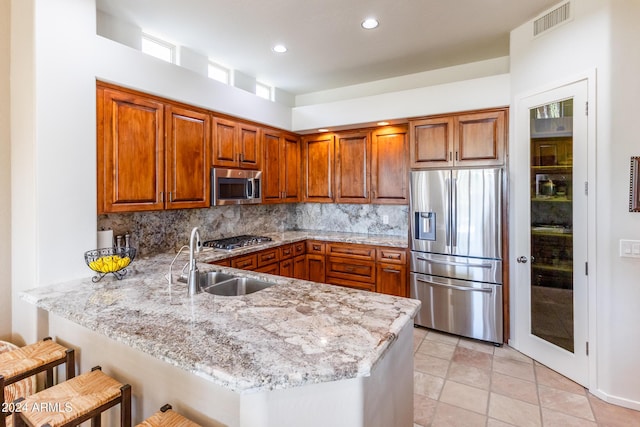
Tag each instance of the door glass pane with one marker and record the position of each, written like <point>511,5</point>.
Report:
<point>552,223</point>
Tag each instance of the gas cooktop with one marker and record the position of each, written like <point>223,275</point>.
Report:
<point>235,242</point>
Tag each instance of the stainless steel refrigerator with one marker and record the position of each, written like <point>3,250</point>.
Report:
<point>456,251</point>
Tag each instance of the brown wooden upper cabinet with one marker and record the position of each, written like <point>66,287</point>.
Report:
<point>139,169</point>
<point>353,167</point>
<point>318,168</point>
<point>235,145</point>
<point>469,139</point>
<point>363,166</point>
<point>187,152</point>
<point>281,167</point>
<point>390,166</point>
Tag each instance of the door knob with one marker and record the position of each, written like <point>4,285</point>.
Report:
<point>522,259</point>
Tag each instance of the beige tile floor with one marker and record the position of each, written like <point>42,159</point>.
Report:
<point>467,383</point>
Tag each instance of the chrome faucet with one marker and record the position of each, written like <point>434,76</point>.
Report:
<point>193,282</point>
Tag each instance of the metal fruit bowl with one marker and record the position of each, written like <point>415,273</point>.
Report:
<point>109,260</point>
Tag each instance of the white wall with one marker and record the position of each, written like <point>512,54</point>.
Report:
<point>129,67</point>
<point>23,212</point>
<point>483,92</point>
<point>5,173</point>
<point>470,71</point>
<point>619,278</point>
<point>601,37</point>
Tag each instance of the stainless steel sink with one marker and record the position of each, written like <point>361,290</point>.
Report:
<point>235,286</point>
<point>211,278</point>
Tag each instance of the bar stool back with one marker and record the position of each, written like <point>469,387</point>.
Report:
<point>72,402</point>
<point>20,364</point>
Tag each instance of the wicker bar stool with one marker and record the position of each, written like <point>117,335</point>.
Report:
<point>166,416</point>
<point>75,401</point>
<point>22,363</point>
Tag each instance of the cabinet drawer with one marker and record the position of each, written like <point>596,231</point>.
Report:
<point>247,262</point>
<point>351,269</point>
<point>315,247</point>
<point>391,255</point>
<point>270,269</point>
<point>267,257</point>
<point>299,248</point>
<point>286,251</point>
<point>352,251</point>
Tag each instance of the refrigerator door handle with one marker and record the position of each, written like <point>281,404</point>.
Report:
<point>457,288</point>
<point>447,224</point>
<point>456,264</point>
<point>454,212</point>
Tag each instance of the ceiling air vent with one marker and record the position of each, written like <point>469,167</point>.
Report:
<point>552,19</point>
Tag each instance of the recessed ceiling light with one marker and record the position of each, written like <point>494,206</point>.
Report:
<point>370,23</point>
<point>383,123</point>
<point>280,48</point>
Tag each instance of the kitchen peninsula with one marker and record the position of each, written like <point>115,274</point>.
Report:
<point>296,353</point>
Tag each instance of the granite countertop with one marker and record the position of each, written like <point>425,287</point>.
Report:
<point>291,334</point>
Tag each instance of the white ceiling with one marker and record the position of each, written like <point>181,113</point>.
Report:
<point>327,46</point>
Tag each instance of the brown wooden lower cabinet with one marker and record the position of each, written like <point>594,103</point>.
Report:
<point>286,268</point>
<point>391,279</point>
<point>300,267</point>
<point>376,269</point>
<point>315,268</point>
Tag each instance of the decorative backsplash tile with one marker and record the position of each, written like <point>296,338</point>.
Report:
<point>161,231</point>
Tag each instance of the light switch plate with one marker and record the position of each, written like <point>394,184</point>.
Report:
<point>630,248</point>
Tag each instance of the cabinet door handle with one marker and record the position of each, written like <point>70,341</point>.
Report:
<point>316,247</point>
<point>390,270</point>
<point>391,256</point>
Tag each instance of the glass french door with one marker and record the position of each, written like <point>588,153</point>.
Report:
<point>551,216</point>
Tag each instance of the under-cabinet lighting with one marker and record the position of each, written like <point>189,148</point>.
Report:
<point>323,130</point>
<point>383,123</point>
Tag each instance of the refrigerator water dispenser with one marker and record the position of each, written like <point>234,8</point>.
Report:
<point>425,225</point>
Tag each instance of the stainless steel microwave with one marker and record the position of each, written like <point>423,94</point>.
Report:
<point>235,186</point>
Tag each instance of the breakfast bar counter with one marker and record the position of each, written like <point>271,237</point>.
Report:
<point>286,339</point>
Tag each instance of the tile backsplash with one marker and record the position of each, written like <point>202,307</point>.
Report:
<point>161,231</point>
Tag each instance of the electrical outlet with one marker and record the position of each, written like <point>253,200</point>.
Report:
<point>385,219</point>
<point>630,248</point>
